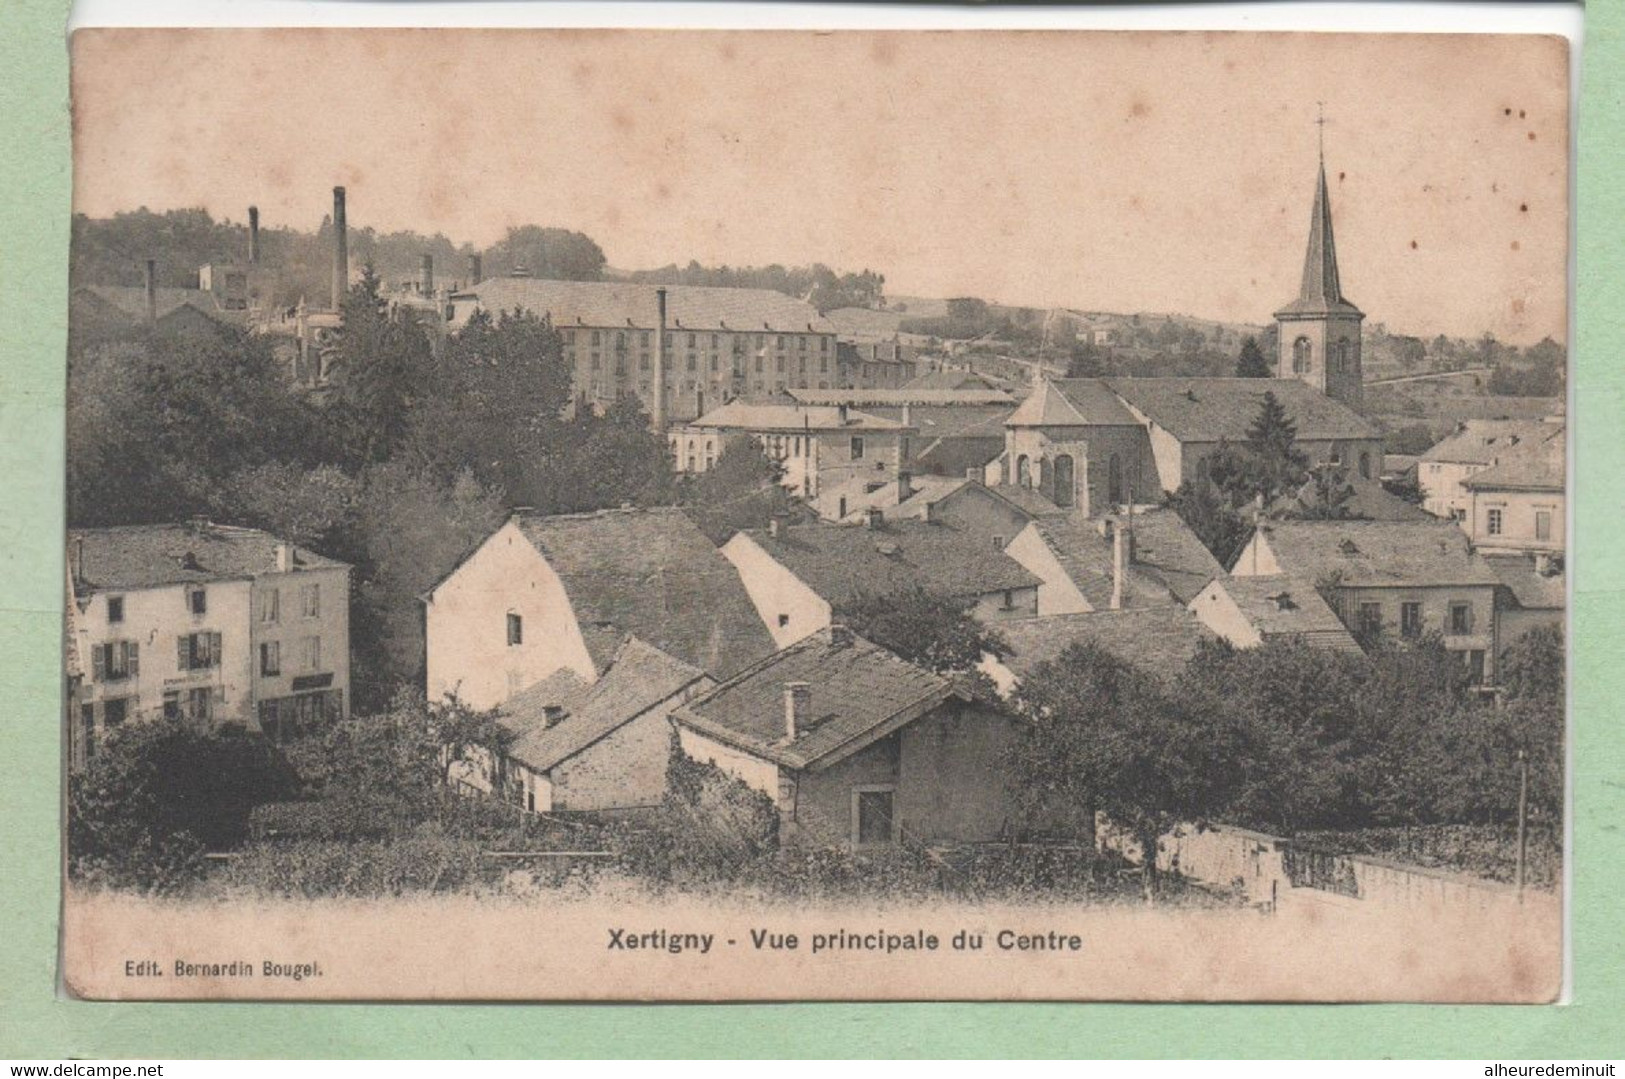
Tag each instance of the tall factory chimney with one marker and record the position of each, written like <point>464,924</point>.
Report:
<point>151,282</point>
<point>253,235</point>
<point>475,266</point>
<point>341,251</point>
<point>658,406</point>
<point>426,275</point>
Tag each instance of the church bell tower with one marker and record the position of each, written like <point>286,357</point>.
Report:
<point>1320,330</point>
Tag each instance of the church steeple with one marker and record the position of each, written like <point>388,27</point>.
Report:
<point>1320,330</point>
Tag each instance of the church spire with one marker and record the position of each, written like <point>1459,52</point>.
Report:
<point>1320,284</point>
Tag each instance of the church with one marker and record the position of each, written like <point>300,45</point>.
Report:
<point>1097,443</point>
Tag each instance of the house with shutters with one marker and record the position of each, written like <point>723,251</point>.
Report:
<point>1389,578</point>
<point>544,594</point>
<point>208,622</point>
<point>1516,506</point>
<point>1473,447</point>
<point>857,748</point>
<point>1251,611</point>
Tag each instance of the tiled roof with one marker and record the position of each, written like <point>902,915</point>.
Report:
<point>639,677</point>
<point>1533,590</point>
<point>1369,501</point>
<point>1377,553</point>
<point>1284,606</point>
<point>1210,409</point>
<point>1026,499</point>
<point>938,400</point>
<point>956,380</point>
<point>864,322</point>
<point>1071,402</point>
<point>651,574</point>
<point>616,304</point>
<point>151,556</point>
<point>1540,467</point>
<point>843,562</point>
<point>1170,564</point>
<point>746,415</point>
<point>859,498</point>
<point>131,301</point>
<point>1479,442</point>
<point>858,691</point>
<point>1160,640</point>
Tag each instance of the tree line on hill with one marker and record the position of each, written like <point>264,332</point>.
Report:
<point>817,284</point>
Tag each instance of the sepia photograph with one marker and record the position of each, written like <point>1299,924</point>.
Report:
<point>790,515</point>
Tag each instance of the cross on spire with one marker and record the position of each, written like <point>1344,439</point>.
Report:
<point>1320,122</point>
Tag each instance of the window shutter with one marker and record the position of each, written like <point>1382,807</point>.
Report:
<point>133,657</point>
<point>98,663</point>
<point>214,649</point>
<point>183,655</point>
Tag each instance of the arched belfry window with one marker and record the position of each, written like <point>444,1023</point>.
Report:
<point>1024,471</point>
<point>1064,479</point>
<point>1302,356</point>
<point>1365,466</point>
<point>1340,356</point>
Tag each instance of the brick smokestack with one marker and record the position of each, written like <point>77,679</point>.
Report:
<point>475,267</point>
<point>341,250</point>
<point>426,275</point>
<point>150,280</point>
<point>658,406</point>
<point>253,235</point>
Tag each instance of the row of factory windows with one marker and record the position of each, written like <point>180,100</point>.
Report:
<point>595,362</point>
<point>620,339</point>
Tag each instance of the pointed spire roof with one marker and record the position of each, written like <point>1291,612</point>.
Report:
<point>1321,292</point>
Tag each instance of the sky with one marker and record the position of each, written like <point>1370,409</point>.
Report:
<point>1105,171</point>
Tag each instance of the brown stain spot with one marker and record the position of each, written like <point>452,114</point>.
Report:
<point>884,49</point>
<point>1531,136</point>
<point>1341,176</point>
<point>1138,108</point>
<point>1523,207</point>
<point>1521,114</point>
<point>1517,307</point>
<point>1516,246</point>
<point>1507,112</point>
<point>662,191</point>
<point>1413,245</point>
<point>623,120</point>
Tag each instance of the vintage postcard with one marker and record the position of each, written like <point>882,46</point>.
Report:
<point>744,515</point>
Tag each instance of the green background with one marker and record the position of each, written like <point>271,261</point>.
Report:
<point>36,1022</point>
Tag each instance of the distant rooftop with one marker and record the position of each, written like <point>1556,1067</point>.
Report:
<point>1479,442</point>
<point>749,415</point>
<point>1160,640</point>
<point>153,556</point>
<point>622,304</point>
<point>1377,553</point>
<point>1284,606</point>
<point>1210,409</point>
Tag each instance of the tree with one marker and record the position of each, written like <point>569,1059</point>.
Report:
<point>1278,465</point>
<point>1222,528</point>
<point>383,370</point>
<point>600,461</point>
<point>930,629</point>
<point>1252,363</point>
<point>554,253</point>
<point>1087,361</point>
<point>158,794</point>
<point>740,490</point>
<point>1101,734</point>
<point>1329,495</point>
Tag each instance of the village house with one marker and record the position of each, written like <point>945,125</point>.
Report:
<point>1357,498</point>
<point>581,746</point>
<point>1473,447</point>
<point>709,345</point>
<point>817,446</point>
<point>1250,611</point>
<point>1516,505</point>
<point>857,748</point>
<point>550,593</point>
<point>953,430</point>
<point>800,577</point>
<point>1533,594</point>
<point>1389,577</point>
<point>1160,640</point>
<point>1149,558</point>
<point>99,313</point>
<point>996,514</point>
<point>212,623</point>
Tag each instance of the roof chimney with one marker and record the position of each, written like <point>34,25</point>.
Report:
<point>906,422</point>
<point>426,275</point>
<point>973,474</point>
<point>341,250</point>
<point>797,700</point>
<point>775,524</point>
<point>284,558</point>
<point>150,280</point>
<point>840,635</point>
<point>476,267</point>
<point>551,715</point>
<point>657,408</point>
<point>253,235</point>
